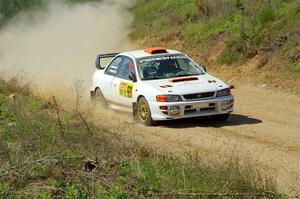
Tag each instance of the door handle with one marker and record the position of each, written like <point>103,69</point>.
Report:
<point>114,85</point>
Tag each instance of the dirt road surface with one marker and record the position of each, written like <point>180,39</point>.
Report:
<point>264,130</point>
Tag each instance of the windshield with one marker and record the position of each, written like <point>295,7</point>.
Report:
<point>167,66</point>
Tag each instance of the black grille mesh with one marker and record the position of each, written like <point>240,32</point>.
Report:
<point>199,95</point>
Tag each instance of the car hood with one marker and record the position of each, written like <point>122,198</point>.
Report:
<point>187,85</point>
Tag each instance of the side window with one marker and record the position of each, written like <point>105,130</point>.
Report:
<point>125,68</point>
<point>112,69</point>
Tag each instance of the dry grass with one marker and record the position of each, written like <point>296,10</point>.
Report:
<point>48,152</point>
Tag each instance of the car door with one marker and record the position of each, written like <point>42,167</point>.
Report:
<point>122,85</point>
<point>109,74</point>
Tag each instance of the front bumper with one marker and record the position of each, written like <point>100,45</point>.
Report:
<point>186,109</point>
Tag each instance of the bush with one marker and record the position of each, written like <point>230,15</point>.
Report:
<point>296,68</point>
<point>53,152</point>
<point>227,58</point>
<point>201,32</point>
<point>266,15</point>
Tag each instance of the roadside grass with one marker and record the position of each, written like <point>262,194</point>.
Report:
<point>48,152</point>
<point>266,15</point>
<point>296,68</point>
<point>227,58</point>
<point>247,27</point>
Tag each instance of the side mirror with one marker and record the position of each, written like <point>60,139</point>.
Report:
<point>203,67</point>
<point>98,63</point>
<point>132,77</point>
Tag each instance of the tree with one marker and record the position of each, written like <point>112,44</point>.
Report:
<point>10,8</point>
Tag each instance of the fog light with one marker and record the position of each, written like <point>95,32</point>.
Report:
<point>163,108</point>
<point>174,110</point>
<point>227,104</point>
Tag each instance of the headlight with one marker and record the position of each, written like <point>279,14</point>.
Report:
<point>168,98</point>
<point>224,92</point>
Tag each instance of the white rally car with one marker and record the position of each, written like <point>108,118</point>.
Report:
<point>160,84</point>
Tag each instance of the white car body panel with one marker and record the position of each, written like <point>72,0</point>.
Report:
<point>123,101</point>
<point>104,82</point>
<point>111,88</point>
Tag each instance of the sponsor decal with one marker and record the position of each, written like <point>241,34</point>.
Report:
<point>161,58</point>
<point>126,89</point>
<point>112,69</point>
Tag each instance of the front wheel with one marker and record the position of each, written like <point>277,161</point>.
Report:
<point>143,112</point>
<point>221,118</point>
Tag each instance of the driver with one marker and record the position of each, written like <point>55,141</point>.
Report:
<point>167,67</point>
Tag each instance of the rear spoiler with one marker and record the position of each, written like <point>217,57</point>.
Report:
<point>103,56</point>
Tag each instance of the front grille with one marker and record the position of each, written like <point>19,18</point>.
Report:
<point>199,95</point>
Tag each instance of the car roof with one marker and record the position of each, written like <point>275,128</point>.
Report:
<point>141,53</point>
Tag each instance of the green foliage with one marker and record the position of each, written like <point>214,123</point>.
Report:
<point>71,192</point>
<point>11,8</point>
<point>102,193</point>
<point>227,58</point>
<point>238,3</point>
<point>117,192</point>
<point>171,174</point>
<point>46,195</point>
<point>35,104</point>
<point>202,32</point>
<point>266,15</point>
<point>5,113</point>
<point>296,68</point>
<point>4,188</point>
<point>246,26</point>
<point>162,16</point>
<point>8,135</point>
<point>55,158</point>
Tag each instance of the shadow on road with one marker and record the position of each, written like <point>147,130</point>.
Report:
<point>235,120</point>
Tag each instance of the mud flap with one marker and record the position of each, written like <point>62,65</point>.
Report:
<point>92,96</point>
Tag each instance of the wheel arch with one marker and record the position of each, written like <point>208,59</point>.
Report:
<point>149,121</point>
<point>134,105</point>
<point>96,88</point>
<point>93,93</point>
<point>139,97</point>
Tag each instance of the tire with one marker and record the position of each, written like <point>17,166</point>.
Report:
<point>221,118</point>
<point>143,112</point>
<point>99,99</point>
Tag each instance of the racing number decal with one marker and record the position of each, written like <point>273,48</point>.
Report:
<point>126,89</point>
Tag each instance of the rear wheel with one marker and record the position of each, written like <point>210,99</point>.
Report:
<point>221,118</point>
<point>99,99</point>
<point>143,112</point>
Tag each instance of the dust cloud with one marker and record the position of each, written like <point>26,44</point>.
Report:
<point>57,45</point>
